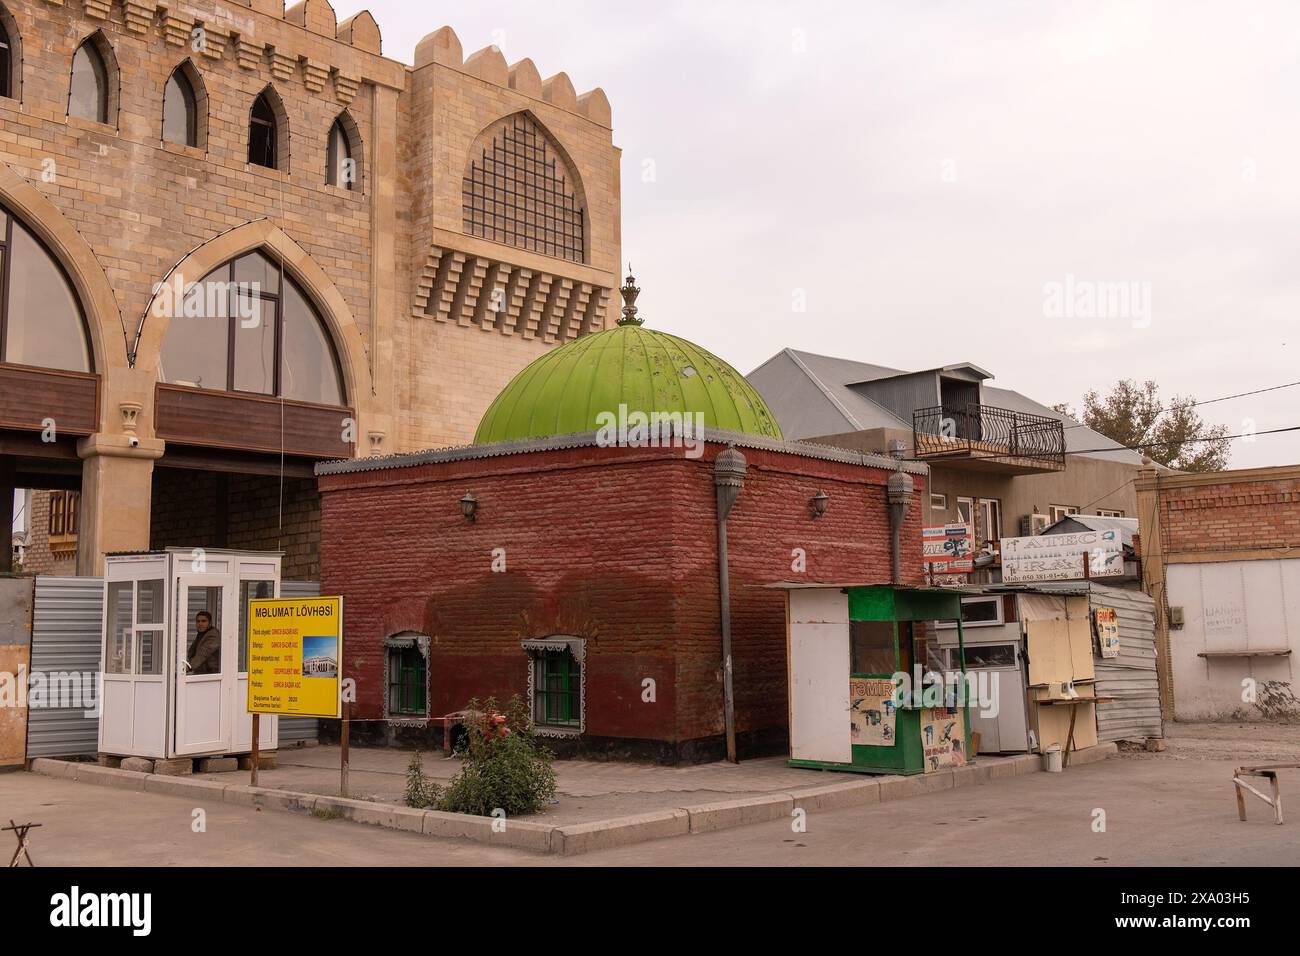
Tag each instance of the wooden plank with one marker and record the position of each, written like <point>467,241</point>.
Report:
<point>237,422</point>
<point>31,396</point>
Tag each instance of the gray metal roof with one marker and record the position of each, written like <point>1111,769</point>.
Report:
<point>589,440</point>
<point>1070,524</point>
<point>812,396</point>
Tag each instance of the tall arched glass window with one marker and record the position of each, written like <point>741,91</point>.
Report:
<point>180,110</point>
<point>89,97</point>
<point>263,134</point>
<point>249,327</point>
<point>340,166</point>
<point>6,60</point>
<point>41,322</point>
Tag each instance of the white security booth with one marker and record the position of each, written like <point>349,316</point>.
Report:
<point>152,705</point>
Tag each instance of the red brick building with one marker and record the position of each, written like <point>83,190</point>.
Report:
<point>612,550</point>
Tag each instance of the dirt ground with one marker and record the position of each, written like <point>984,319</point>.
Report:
<point>1244,743</point>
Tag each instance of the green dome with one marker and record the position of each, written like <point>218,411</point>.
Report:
<point>564,391</point>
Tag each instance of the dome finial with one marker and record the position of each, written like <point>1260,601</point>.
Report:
<point>630,293</point>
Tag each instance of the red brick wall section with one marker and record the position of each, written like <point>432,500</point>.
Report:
<point>1232,516</point>
<point>612,545</point>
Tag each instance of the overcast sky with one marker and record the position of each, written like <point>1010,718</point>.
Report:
<point>930,181</point>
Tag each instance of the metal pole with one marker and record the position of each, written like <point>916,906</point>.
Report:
<point>724,591</point>
<point>343,755</point>
<point>257,755</point>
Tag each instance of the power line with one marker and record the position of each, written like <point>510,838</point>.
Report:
<point>1211,401</point>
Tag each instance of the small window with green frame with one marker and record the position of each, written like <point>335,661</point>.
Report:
<point>407,681</point>
<point>557,688</point>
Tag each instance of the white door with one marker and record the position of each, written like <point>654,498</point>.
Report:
<point>257,580</point>
<point>205,691</point>
<point>820,725</point>
<point>133,699</point>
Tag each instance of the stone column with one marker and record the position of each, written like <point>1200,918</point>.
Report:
<point>116,496</point>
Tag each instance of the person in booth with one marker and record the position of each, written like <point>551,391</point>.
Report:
<point>204,655</point>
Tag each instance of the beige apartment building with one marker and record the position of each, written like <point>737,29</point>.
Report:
<point>238,240</point>
<point>1000,462</point>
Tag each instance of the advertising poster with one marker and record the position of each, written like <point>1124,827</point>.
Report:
<point>295,656</point>
<point>949,549</point>
<point>871,712</point>
<point>943,738</point>
<point>1107,631</point>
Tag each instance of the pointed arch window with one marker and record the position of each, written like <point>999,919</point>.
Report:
<point>180,109</point>
<point>521,191</point>
<point>89,97</point>
<point>264,133</point>
<point>249,327</point>
<point>8,57</point>
<point>341,166</point>
<point>41,320</point>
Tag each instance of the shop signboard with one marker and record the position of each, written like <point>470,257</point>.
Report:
<point>949,549</point>
<point>1061,557</point>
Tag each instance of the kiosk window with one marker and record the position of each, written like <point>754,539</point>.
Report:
<point>119,655</point>
<point>871,645</point>
<point>150,610</point>
<point>250,591</point>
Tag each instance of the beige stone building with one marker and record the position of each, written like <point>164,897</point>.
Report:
<point>238,240</point>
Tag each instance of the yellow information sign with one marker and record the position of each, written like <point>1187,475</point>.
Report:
<point>295,656</point>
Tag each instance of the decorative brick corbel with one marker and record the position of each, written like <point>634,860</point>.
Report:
<point>177,29</point>
<point>345,87</point>
<point>314,73</point>
<point>282,65</point>
<point>214,42</point>
<point>99,9</point>
<point>248,54</point>
<point>139,15</point>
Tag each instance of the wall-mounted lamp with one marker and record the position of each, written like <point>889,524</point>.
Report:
<point>469,507</point>
<point>818,504</point>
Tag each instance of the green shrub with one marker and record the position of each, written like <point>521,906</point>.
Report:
<point>421,792</point>
<point>509,772</point>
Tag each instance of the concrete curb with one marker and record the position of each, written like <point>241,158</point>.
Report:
<point>574,838</point>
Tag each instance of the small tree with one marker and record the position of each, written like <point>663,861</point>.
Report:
<point>1172,434</point>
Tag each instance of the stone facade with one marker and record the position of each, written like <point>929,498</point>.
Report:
<point>428,321</point>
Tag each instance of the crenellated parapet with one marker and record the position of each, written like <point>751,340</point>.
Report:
<point>444,48</point>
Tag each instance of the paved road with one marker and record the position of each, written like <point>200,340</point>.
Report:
<point>1159,812</point>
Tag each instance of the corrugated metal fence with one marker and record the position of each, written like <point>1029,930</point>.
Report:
<point>66,620</point>
<point>1131,677</point>
<point>294,730</point>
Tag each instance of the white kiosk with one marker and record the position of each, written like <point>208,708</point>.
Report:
<point>151,705</point>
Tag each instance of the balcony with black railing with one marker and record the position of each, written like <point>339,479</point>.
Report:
<point>993,439</point>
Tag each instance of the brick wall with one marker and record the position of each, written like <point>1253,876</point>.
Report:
<point>616,546</point>
<point>1232,515</point>
<point>203,509</point>
<point>41,557</point>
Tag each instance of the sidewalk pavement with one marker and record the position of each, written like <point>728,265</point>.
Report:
<point>599,805</point>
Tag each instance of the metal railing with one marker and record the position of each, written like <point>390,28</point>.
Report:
<point>984,431</point>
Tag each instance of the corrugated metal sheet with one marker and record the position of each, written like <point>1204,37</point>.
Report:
<point>66,624</point>
<point>294,730</point>
<point>1131,677</point>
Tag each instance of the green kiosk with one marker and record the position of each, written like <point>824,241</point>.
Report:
<point>848,711</point>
